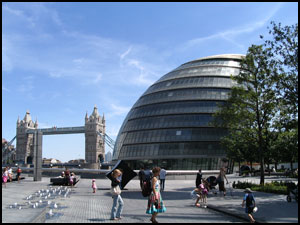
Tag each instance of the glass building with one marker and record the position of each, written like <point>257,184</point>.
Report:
<point>169,125</point>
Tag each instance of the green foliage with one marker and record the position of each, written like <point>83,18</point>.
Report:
<point>261,114</point>
<point>274,187</point>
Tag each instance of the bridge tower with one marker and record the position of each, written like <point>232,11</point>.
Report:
<point>25,145</point>
<point>94,144</point>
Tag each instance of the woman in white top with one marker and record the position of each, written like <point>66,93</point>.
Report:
<point>155,203</point>
<point>5,176</point>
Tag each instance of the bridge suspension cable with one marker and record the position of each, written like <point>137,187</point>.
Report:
<point>6,155</point>
<point>109,141</point>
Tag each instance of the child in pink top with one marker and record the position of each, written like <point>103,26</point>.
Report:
<point>204,191</point>
<point>94,186</point>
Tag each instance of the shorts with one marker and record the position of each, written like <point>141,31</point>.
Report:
<point>221,186</point>
<point>249,210</point>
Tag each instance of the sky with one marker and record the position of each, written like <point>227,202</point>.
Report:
<point>59,60</point>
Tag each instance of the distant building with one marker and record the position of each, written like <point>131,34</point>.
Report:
<point>108,156</point>
<point>51,161</point>
<point>77,161</point>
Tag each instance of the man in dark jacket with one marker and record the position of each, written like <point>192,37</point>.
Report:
<point>199,178</point>
<point>142,177</point>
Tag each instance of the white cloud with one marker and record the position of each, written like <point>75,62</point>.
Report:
<point>5,89</point>
<point>7,63</point>
<point>122,56</point>
<point>118,110</point>
<point>231,34</point>
<point>84,58</point>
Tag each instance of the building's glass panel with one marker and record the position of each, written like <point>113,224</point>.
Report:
<point>201,120</point>
<point>183,94</point>
<point>164,135</point>
<point>191,82</point>
<point>175,108</point>
<point>209,62</point>
<point>201,71</point>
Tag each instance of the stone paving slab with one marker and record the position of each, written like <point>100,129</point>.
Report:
<point>82,206</point>
<point>16,193</point>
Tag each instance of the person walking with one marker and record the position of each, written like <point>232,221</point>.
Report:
<point>94,186</point>
<point>220,180</point>
<point>198,178</point>
<point>142,177</point>
<point>116,195</point>
<point>10,174</point>
<point>19,171</point>
<point>5,176</point>
<point>155,203</point>
<point>162,177</point>
<point>250,203</point>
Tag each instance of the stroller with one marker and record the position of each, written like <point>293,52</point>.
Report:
<point>212,182</point>
<point>292,190</point>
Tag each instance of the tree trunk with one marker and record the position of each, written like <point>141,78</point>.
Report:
<point>269,170</point>
<point>239,168</point>
<point>276,166</point>
<point>262,171</point>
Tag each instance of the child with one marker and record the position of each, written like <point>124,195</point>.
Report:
<point>196,193</point>
<point>250,204</point>
<point>94,186</point>
<point>204,192</point>
<point>72,179</point>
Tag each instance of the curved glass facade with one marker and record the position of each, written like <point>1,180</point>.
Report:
<point>169,125</point>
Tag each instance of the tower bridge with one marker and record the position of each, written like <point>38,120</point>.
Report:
<point>29,140</point>
<point>60,130</point>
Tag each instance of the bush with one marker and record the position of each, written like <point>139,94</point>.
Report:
<point>273,187</point>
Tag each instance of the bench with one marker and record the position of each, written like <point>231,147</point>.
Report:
<point>63,181</point>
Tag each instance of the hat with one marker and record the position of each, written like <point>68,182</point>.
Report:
<point>248,190</point>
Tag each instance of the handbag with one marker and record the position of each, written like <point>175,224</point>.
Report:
<point>115,190</point>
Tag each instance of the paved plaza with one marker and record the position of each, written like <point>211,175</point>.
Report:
<point>82,206</point>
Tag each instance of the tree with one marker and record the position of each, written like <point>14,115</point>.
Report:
<point>251,105</point>
<point>264,104</point>
<point>284,51</point>
<point>284,48</point>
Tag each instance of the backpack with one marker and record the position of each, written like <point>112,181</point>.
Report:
<point>146,188</point>
<point>249,200</point>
